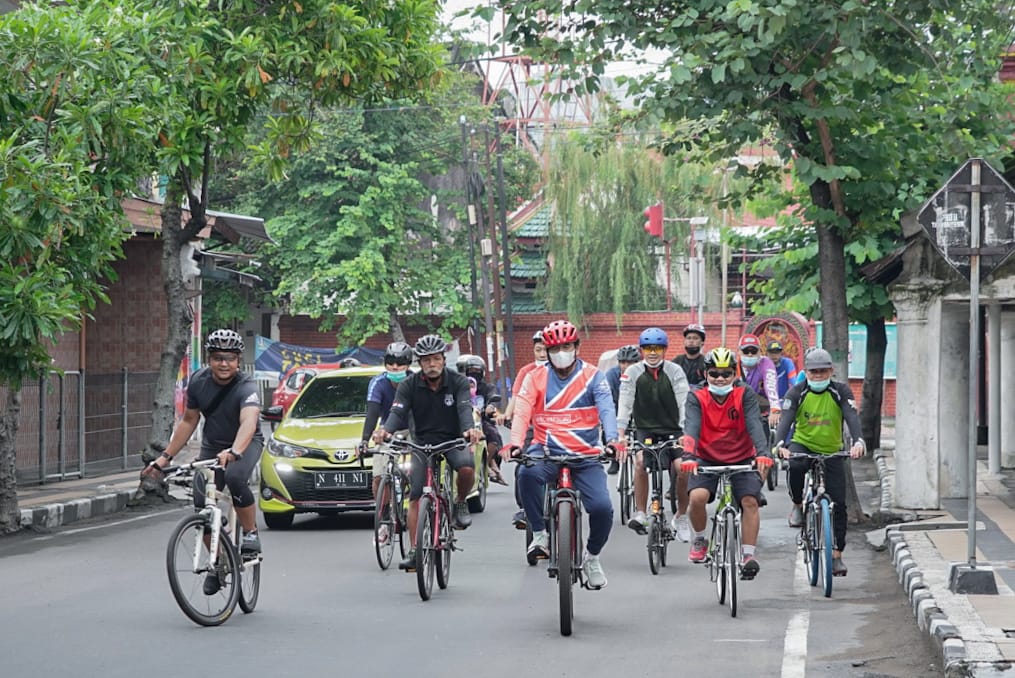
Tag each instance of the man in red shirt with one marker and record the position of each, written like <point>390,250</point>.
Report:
<point>723,427</point>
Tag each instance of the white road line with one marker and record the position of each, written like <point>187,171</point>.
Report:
<point>741,640</point>
<point>66,533</point>
<point>794,651</point>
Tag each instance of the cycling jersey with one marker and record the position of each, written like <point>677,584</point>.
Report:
<point>380,395</point>
<point>221,425</point>
<point>729,432</point>
<point>694,368</point>
<point>657,394</point>
<point>762,380</point>
<point>817,417</point>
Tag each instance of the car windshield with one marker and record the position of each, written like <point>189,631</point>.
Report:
<point>342,397</point>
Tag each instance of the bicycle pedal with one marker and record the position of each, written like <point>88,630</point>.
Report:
<point>551,572</point>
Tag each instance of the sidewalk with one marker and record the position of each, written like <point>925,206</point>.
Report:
<point>976,633</point>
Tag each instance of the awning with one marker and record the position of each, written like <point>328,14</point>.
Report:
<point>145,216</point>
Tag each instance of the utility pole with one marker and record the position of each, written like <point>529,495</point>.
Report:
<point>505,258</point>
<point>486,253</point>
<point>498,328</point>
<point>470,219</point>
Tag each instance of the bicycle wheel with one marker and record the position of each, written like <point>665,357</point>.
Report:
<point>812,548</point>
<point>446,544</point>
<point>732,558</point>
<point>187,581</point>
<point>655,539</point>
<point>826,544</point>
<point>250,577</point>
<point>717,562</point>
<point>665,537</point>
<point>565,564</point>
<point>624,489</point>
<point>384,524</point>
<point>673,491</point>
<point>425,553</point>
<point>399,497</point>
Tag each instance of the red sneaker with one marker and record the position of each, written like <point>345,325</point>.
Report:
<point>699,550</point>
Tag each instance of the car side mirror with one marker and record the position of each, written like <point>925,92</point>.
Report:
<point>273,413</point>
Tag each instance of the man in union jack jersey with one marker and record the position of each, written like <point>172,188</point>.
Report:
<point>566,402</point>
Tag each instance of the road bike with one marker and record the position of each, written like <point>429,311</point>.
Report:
<point>724,545</point>
<point>390,512</point>
<point>562,513</point>
<point>625,488</point>
<point>773,472</point>
<point>435,538</point>
<point>207,544</point>
<point>659,532</point>
<point>816,538</point>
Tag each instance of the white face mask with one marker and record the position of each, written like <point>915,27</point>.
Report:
<point>720,390</point>
<point>654,361</point>
<point>562,359</point>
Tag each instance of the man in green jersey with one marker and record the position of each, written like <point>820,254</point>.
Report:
<point>816,410</point>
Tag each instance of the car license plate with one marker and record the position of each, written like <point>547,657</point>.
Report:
<point>324,480</point>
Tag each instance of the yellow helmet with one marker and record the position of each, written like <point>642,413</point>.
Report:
<point>721,358</point>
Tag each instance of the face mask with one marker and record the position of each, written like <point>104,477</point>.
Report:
<point>750,361</point>
<point>720,390</point>
<point>654,361</point>
<point>818,386</point>
<point>562,359</point>
<point>692,350</point>
<point>396,377</point>
<point>542,362</point>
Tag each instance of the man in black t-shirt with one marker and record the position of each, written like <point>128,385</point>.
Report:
<point>693,360</point>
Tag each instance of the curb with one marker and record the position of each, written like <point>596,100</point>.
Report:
<point>49,516</point>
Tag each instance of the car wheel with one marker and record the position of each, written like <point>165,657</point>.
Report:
<point>279,521</point>
<point>477,502</point>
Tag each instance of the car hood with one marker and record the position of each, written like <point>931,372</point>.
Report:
<point>326,433</point>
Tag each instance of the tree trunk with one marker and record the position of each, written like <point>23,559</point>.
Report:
<point>397,334</point>
<point>873,383</point>
<point>10,515</point>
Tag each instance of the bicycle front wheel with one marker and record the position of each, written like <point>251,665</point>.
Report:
<point>445,544</point>
<point>732,558</point>
<point>812,542</point>
<point>655,544</point>
<point>624,489</point>
<point>250,582</point>
<point>425,552</point>
<point>565,565</point>
<point>384,524</point>
<point>717,559</point>
<point>189,566</point>
<point>826,545</point>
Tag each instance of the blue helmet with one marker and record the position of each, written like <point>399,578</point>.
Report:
<point>653,336</point>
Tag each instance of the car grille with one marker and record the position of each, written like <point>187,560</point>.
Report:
<point>301,488</point>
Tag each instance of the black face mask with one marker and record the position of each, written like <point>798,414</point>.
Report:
<point>692,350</point>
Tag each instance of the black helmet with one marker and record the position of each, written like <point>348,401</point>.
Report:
<point>628,354</point>
<point>429,344</point>
<point>398,353</point>
<point>475,367</point>
<point>349,362</point>
<point>696,328</point>
<point>462,360</point>
<point>224,340</point>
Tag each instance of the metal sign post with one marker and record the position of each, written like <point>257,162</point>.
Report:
<point>974,345</point>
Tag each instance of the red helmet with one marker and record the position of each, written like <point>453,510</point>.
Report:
<point>749,340</point>
<point>559,332</point>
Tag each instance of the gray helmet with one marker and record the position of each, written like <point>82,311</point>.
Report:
<point>817,359</point>
<point>398,353</point>
<point>475,367</point>
<point>224,340</point>
<point>462,361</point>
<point>429,344</point>
<point>628,354</point>
<point>349,362</point>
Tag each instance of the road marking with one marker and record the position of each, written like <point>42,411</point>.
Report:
<point>66,533</point>
<point>740,640</point>
<point>794,652</point>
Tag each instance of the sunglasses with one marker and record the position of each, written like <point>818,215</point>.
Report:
<point>750,350</point>
<point>723,374</point>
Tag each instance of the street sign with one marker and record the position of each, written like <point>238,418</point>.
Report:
<point>948,220</point>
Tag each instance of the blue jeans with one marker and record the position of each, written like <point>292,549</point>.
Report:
<point>589,479</point>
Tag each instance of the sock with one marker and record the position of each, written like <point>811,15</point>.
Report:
<point>748,550</point>
<point>697,535</point>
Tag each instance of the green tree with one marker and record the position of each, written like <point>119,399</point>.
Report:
<point>75,135</point>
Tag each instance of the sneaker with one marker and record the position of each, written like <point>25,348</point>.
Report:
<point>796,516</point>
<point>749,568</point>
<point>595,578</point>
<point>639,523</point>
<point>539,548</point>
<point>212,584</point>
<point>762,499</point>
<point>699,550</point>
<point>409,562</point>
<point>462,517</point>
<point>614,467</point>
<point>839,568</point>
<point>681,526</point>
<point>519,520</point>
<point>251,543</point>
<point>381,537</point>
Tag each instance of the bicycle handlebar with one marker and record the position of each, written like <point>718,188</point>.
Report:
<point>428,450</point>
<point>733,468</point>
<point>565,459</point>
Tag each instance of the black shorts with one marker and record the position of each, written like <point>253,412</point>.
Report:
<point>745,484</point>
<point>666,457</point>
<point>459,458</point>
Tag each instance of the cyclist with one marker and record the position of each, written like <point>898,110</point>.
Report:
<point>653,394</point>
<point>626,356</point>
<point>486,396</point>
<point>539,359</point>
<point>380,395</point>
<point>693,361</point>
<point>816,409</point>
<point>566,402</point>
<point>785,369</point>
<point>759,373</point>
<point>438,401</point>
<point>723,427</point>
<point>231,407</point>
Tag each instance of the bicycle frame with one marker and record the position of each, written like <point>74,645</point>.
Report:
<point>816,538</point>
<point>724,550</point>
<point>659,532</point>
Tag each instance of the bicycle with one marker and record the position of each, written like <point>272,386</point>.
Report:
<point>816,533</point>
<point>724,546</point>
<point>390,512</point>
<point>562,512</point>
<point>435,538</point>
<point>625,488</point>
<point>773,473</point>
<point>659,532</point>
<point>197,549</point>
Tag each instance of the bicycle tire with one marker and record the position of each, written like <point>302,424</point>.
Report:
<point>673,491</point>
<point>565,565</point>
<point>425,564</point>
<point>732,557</point>
<point>250,578</point>
<point>383,517</point>
<point>664,543</point>
<point>812,552</point>
<point>772,479</point>
<point>654,547</point>
<point>716,562</point>
<point>214,609</point>
<point>826,545</point>
<point>399,509</point>
<point>624,489</point>
<point>442,556</point>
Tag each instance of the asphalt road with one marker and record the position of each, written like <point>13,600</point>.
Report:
<point>93,600</point>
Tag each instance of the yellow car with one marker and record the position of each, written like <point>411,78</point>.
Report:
<point>310,463</point>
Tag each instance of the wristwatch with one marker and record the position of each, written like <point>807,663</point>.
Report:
<point>166,456</point>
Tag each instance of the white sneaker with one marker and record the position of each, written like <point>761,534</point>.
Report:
<point>595,578</point>
<point>639,522</point>
<point>539,547</point>
<point>681,527</point>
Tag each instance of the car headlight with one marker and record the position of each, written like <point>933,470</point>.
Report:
<point>278,448</point>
